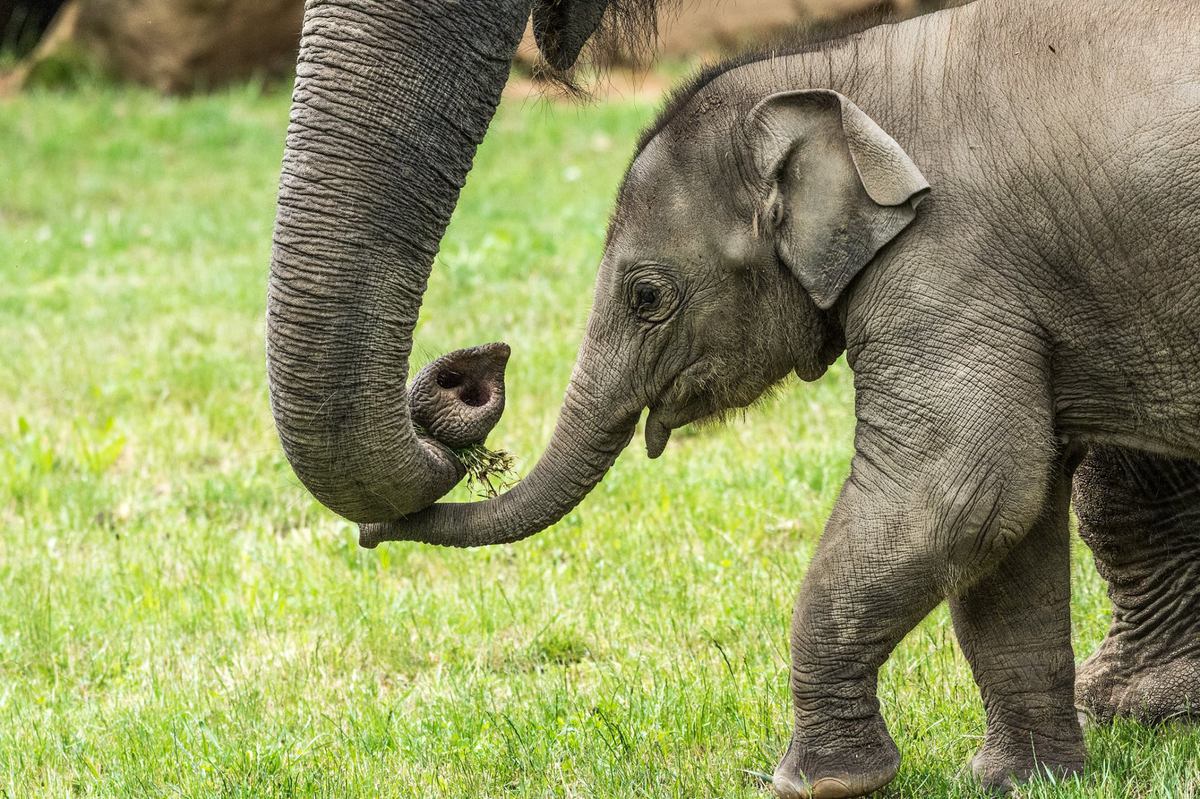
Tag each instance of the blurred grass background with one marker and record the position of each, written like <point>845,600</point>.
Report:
<point>178,617</point>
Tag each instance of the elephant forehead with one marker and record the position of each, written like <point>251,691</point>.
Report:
<point>653,176</point>
<point>671,207</point>
<point>664,189</point>
<point>689,248</point>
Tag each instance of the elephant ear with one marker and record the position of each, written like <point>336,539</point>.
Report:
<point>562,27</point>
<point>836,187</point>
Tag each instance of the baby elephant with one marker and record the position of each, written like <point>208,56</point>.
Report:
<point>995,214</point>
<point>1015,277</point>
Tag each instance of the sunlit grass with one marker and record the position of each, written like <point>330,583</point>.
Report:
<point>178,617</point>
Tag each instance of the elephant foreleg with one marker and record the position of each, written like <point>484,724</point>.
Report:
<point>884,562</point>
<point>1140,514</point>
<point>953,470</point>
<point>1014,626</point>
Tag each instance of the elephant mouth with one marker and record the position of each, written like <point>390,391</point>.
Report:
<point>658,433</point>
<point>680,405</point>
<point>662,421</point>
<point>702,392</point>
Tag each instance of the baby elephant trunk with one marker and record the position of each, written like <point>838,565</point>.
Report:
<point>457,399</point>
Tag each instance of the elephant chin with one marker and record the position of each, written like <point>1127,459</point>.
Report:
<point>676,409</point>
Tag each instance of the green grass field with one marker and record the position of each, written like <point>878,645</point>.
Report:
<point>179,618</point>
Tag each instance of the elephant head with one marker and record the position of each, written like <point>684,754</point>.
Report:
<point>741,223</point>
<point>390,101</point>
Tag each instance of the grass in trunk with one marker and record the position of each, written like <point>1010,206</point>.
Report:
<point>489,471</point>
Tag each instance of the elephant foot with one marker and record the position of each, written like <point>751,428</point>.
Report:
<point>1111,686</point>
<point>862,764</point>
<point>1013,757</point>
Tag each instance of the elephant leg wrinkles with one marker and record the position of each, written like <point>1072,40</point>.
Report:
<point>1014,626</point>
<point>875,575</point>
<point>895,546</point>
<point>936,501</point>
<point>1140,515</point>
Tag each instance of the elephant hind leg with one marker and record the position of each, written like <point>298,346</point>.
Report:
<point>1140,515</point>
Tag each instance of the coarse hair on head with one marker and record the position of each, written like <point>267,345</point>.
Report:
<point>804,38</point>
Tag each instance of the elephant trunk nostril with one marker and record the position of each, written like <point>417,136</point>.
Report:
<point>458,398</point>
<point>449,379</point>
<point>475,394</point>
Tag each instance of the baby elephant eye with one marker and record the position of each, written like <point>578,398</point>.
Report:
<point>648,298</point>
<point>652,301</point>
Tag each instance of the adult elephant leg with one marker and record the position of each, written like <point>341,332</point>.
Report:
<point>1014,626</point>
<point>1140,514</point>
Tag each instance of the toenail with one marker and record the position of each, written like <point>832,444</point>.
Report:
<point>830,788</point>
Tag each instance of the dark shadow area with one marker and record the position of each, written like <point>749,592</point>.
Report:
<point>22,23</point>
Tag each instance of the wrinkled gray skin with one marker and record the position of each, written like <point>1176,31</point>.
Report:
<point>391,100</point>
<point>1030,323</point>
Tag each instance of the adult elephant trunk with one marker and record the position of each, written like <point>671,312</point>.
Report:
<point>390,102</point>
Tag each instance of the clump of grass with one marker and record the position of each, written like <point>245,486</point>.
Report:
<point>489,471</point>
<point>560,647</point>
